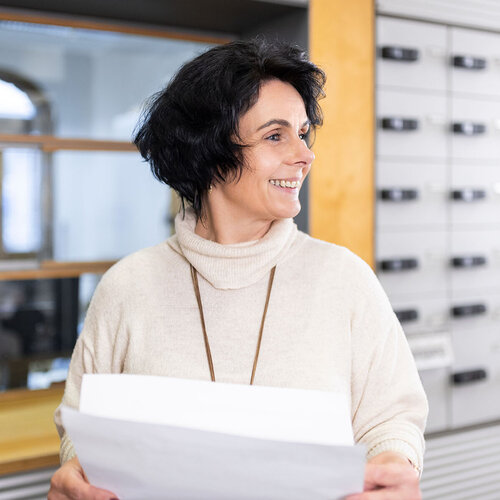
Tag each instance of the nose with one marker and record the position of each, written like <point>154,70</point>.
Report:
<point>301,154</point>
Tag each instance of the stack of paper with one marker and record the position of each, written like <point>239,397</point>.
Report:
<point>149,438</point>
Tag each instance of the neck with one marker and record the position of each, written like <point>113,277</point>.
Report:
<point>227,229</point>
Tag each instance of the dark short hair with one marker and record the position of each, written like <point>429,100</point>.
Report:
<point>188,131</point>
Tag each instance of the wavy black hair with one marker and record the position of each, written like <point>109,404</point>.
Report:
<point>188,131</point>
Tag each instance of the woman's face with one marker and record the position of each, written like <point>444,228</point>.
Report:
<point>277,158</point>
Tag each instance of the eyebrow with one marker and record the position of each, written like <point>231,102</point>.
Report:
<point>283,123</point>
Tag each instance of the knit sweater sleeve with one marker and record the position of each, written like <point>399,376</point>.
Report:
<point>96,351</point>
<point>389,406</point>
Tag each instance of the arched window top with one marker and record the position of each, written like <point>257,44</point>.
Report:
<point>14,103</point>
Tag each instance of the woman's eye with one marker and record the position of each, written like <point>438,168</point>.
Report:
<point>274,137</point>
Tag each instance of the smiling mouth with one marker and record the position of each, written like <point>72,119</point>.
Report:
<point>285,184</point>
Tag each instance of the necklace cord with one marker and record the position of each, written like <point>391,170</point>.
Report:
<point>257,352</point>
<point>194,276</point>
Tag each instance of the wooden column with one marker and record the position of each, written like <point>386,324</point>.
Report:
<point>341,42</point>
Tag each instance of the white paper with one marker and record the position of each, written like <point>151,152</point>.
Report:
<point>156,459</point>
<point>253,411</point>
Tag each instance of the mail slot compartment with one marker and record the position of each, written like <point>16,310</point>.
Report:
<point>475,195</point>
<point>412,262</point>
<point>411,125</point>
<point>475,62</point>
<point>475,129</point>
<point>474,310</point>
<point>437,389</point>
<point>408,52</point>
<point>422,313</point>
<point>411,194</point>
<point>475,377</point>
<point>475,259</point>
<point>433,354</point>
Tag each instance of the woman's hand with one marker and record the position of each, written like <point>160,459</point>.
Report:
<point>389,476</point>
<point>70,482</point>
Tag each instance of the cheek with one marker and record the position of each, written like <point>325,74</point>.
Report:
<point>263,164</point>
<point>269,165</point>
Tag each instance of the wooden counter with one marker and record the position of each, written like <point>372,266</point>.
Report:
<point>49,269</point>
<point>28,436</point>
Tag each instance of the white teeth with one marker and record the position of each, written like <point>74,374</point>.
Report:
<point>288,184</point>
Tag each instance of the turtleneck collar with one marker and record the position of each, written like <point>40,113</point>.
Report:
<point>237,265</point>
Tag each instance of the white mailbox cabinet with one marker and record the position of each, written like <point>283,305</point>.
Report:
<point>408,52</point>
<point>438,207</point>
<point>475,63</point>
<point>411,124</point>
<point>412,195</point>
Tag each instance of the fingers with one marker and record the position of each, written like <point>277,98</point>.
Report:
<point>384,494</point>
<point>79,491</point>
<point>69,482</point>
<point>389,482</point>
<point>389,475</point>
<point>94,493</point>
<point>85,491</point>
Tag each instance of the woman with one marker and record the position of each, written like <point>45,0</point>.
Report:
<point>239,294</point>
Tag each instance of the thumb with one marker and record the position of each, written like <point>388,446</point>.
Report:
<point>94,493</point>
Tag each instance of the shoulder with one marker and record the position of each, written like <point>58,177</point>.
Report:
<point>332,258</point>
<point>330,267</point>
<point>144,268</point>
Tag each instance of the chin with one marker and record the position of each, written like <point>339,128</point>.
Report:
<point>289,213</point>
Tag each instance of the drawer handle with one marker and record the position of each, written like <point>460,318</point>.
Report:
<point>469,376</point>
<point>400,54</point>
<point>398,194</point>
<point>468,310</point>
<point>468,261</point>
<point>468,128</point>
<point>399,124</point>
<point>406,315</point>
<point>468,194</point>
<point>396,265</point>
<point>469,62</point>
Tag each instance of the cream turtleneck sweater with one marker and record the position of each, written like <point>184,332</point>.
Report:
<point>329,327</point>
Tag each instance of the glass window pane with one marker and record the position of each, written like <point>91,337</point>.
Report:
<point>106,205</point>
<point>21,200</point>
<point>95,81</point>
<point>14,103</point>
<point>39,324</point>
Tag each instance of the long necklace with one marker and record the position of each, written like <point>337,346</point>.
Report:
<point>194,276</point>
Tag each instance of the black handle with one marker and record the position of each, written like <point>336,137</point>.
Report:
<point>399,124</point>
<point>405,315</point>
<point>398,194</point>
<point>468,310</point>
<point>402,54</point>
<point>468,128</point>
<point>469,62</point>
<point>468,194</point>
<point>469,376</point>
<point>395,265</point>
<point>468,261</point>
